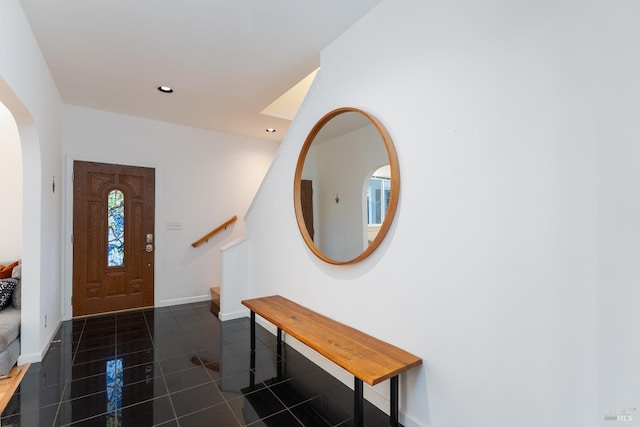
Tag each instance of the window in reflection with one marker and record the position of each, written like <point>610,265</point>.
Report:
<point>115,374</point>
<point>378,196</point>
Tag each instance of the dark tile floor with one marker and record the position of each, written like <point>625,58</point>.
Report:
<point>176,366</point>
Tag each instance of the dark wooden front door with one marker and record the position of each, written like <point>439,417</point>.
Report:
<point>113,240</point>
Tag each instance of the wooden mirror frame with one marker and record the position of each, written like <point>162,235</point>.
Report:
<point>393,198</point>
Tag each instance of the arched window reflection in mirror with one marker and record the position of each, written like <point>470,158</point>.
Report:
<point>340,187</point>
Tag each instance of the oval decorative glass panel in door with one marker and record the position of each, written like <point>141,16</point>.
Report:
<point>332,181</point>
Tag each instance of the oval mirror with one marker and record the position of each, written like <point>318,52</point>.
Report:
<point>346,186</point>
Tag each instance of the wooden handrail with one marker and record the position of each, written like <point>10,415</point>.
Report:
<point>218,229</point>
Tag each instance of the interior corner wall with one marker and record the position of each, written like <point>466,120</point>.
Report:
<point>11,179</point>
<point>203,178</point>
<point>489,272</point>
<point>29,92</point>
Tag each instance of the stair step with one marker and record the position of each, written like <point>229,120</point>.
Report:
<point>215,300</point>
<point>215,307</point>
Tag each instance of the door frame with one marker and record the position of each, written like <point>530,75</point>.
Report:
<point>67,232</point>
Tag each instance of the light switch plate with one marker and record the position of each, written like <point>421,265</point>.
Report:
<point>174,225</point>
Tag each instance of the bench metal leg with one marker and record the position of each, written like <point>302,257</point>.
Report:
<point>279,362</point>
<point>253,331</point>
<point>394,401</point>
<point>358,403</point>
<point>252,360</point>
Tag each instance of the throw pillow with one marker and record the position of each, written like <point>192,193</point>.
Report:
<point>6,289</point>
<point>16,296</point>
<point>17,272</point>
<point>5,271</point>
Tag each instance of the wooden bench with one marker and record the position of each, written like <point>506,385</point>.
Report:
<point>368,359</point>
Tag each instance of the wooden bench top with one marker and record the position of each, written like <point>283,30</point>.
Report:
<point>367,358</point>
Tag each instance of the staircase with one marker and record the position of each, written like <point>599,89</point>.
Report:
<point>215,291</point>
<point>215,300</point>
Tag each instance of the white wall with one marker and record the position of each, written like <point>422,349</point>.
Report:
<point>234,280</point>
<point>616,95</point>
<point>489,271</point>
<point>11,188</point>
<point>203,178</point>
<point>29,92</point>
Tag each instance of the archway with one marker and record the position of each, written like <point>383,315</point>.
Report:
<point>11,177</point>
<point>31,224</point>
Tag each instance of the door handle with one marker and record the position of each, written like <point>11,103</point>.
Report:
<point>149,238</point>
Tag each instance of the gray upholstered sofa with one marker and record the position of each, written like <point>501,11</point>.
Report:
<point>10,327</point>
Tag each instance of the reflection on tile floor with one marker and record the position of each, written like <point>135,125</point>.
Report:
<point>176,366</point>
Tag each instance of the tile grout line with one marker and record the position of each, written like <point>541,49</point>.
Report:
<point>226,401</point>
<point>67,381</point>
<point>287,407</point>
<point>164,380</point>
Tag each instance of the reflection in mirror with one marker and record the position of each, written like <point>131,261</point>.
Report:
<point>378,195</point>
<point>346,186</point>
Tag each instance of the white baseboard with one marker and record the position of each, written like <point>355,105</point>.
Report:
<point>233,315</point>
<point>29,358</point>
<point>407,421</point>
<point>178,301</point>
<point>37,357</point>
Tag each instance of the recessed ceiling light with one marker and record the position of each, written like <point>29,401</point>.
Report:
<point>270,130</point>
<point>165,89</point>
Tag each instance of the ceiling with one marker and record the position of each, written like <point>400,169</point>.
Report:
<point>226,60</point>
